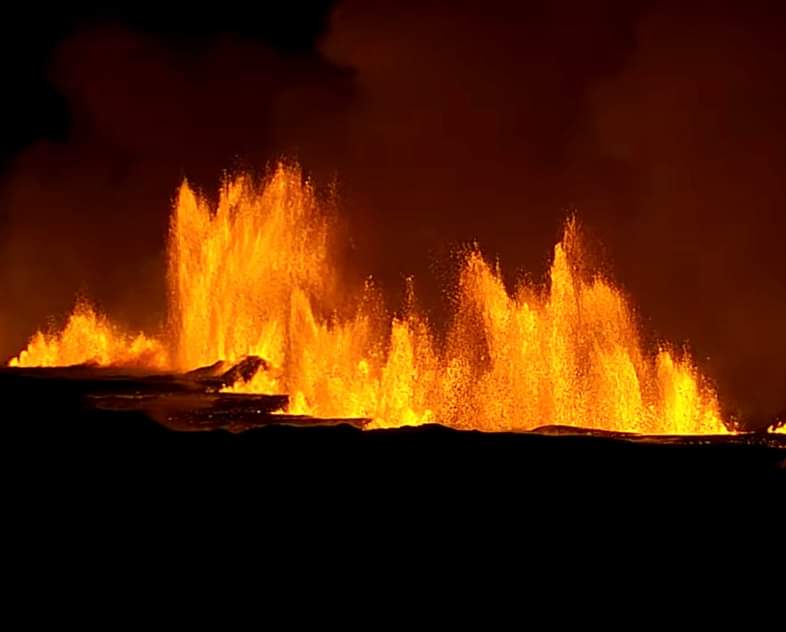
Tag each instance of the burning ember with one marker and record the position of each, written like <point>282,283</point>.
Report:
<point>255,277</point>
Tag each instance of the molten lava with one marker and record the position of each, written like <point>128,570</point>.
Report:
<point>90,338</point>
<point>255,277</point>
<point>232,272</point>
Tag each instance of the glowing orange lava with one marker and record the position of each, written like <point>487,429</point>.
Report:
<point>90,338</point>
<point>255,276</point>
<point>570,354</point>
<point>233,271</point>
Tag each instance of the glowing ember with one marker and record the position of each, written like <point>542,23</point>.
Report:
<point>255,277</point>
<point>90,338</point>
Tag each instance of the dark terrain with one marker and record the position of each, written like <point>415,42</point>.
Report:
<point>93,429</point>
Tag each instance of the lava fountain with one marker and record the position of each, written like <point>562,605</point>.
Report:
<point>255,276</point>
<point>89,337</point>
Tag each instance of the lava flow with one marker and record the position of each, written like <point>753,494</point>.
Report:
<point>255,276</point>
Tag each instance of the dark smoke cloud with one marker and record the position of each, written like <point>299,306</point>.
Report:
<point>445,123</point>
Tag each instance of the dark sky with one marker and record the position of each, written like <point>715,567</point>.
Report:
<point>663,124</point>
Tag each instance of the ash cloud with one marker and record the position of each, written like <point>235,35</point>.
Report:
<point>444,123</point>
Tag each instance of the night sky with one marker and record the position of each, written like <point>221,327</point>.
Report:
<point>662,124</point>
